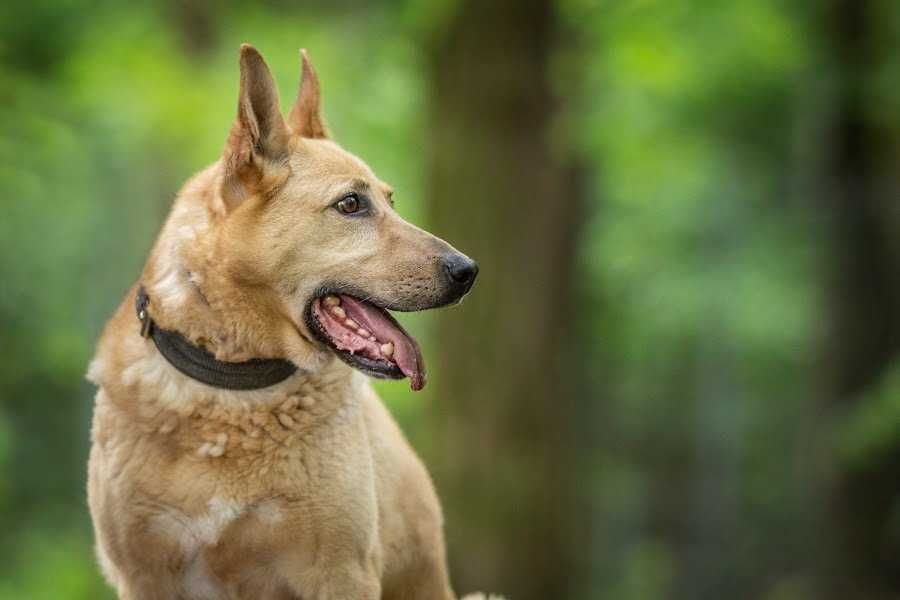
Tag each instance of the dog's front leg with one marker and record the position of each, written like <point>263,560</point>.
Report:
<point>358,580</point>
<point>335,553</point>
<point>147,588</point>
<point>332,546</point>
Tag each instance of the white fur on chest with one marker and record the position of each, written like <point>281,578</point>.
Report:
<point>195,533</point>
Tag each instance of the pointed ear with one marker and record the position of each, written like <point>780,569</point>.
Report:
<point>258,143</point>
<point>306,116</point>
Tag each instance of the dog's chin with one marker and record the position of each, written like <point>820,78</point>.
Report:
<point>363,334</point>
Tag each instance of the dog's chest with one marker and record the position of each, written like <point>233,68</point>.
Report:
<point>210,542</point>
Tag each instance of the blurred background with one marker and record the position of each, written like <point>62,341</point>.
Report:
<point>679,373</point>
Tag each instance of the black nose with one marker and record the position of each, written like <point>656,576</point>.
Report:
<point>461,270</point>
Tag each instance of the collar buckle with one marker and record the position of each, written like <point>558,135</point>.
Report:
<point>144,318</point>
<point>141,302</point>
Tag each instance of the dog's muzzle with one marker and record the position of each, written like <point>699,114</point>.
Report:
<point>461,272</point>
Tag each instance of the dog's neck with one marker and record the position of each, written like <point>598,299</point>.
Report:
<point>193,293</point>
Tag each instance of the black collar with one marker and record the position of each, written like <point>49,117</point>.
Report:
<point>201,365</point>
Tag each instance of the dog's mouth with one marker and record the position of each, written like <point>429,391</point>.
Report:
<point>366,337</point>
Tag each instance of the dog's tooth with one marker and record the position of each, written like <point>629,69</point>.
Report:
<point>372,338</point>
<point>331,300</point>
<point>351,323</point>
<point>362,332</point>
<point>387,349</point>
<point>338,312</point>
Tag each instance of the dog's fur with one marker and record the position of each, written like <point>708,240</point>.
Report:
<point>306,489</point>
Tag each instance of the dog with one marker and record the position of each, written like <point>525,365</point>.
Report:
<point>238,448</point>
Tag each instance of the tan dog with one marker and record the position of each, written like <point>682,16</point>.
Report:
<point>238,476</point>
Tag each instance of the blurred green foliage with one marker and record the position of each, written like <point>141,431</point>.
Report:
<point>106,111</point>
<point>698,265</point>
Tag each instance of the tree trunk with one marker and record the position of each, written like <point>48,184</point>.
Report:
<point>505,446</point>
<point>864,293</point>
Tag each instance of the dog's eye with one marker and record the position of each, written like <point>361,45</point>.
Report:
<point>351,204</point>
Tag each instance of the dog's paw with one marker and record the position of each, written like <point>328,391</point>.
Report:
<point>482,596</point>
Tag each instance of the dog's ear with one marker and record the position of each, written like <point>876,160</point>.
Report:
<point>306,116</point>
<point>258,142</point>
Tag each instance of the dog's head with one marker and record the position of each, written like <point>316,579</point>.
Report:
<point>314,226</point>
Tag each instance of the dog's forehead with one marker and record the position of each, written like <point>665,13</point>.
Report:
<point>329,162</point>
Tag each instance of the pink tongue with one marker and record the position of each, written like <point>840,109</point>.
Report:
<point>406,355</point>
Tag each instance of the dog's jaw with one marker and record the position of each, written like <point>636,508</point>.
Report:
<point>366,337</point>
<point>194,292</point>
